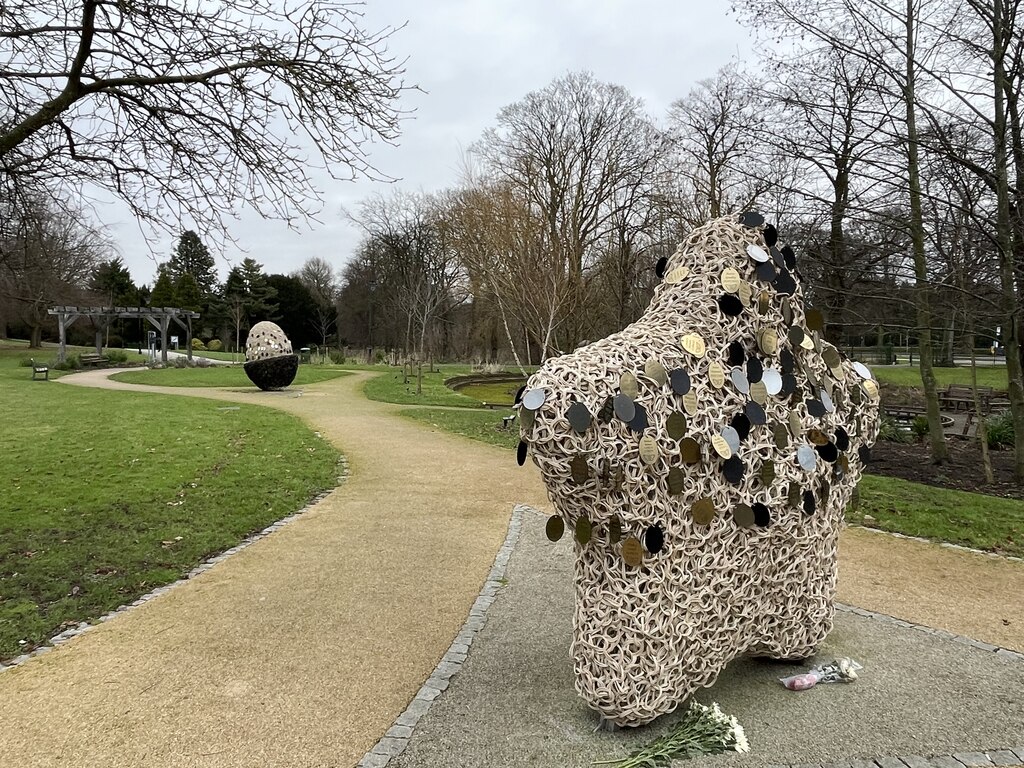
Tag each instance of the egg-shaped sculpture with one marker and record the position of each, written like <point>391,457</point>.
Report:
<point>269,360</point>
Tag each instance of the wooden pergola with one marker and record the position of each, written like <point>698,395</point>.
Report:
<point>101,317</point>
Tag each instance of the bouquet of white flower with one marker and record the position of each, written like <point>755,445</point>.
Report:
<point>702,731</point>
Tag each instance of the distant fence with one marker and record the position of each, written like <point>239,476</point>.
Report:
<point>883,355</point>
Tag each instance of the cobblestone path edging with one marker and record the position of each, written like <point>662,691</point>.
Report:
<point>206,565</point>
<point>394,742</point>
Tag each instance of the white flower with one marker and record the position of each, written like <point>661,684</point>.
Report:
<point>739,738</point>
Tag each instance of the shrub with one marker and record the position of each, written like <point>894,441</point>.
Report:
<point>890,429</point>
<point>117,355</point>
<point>198,344</point>
<point>919,426</point>
<point>25,362</point>
<point>214,345</point>
<point>1000,431</point>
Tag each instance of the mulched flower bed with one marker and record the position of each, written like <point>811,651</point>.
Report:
<point>963,472</point>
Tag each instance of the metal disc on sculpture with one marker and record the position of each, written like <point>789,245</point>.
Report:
<point>649,450</point>
<point>764,302</point>
<point>807,343</point>
<point>771,235</point>
<point>816,408</point>
<point>655,371</point>
<point>690,402</point>
<point>755,413</point>
<point>767,473</point>
<point>519,395</point>
<point>624,407</point>
<point>639,421</point>
<point>676,481</point>
<point>787,312</point>
<point>830,355</point>
<point>555,528</point>
<point>766,272</point>
<point>614,530</point>
<point>579,469</point>
<point>680,381</point>
<point>870,388</point>
<point>784,283</point>
<point>778,257</point>
<point>842,439</point>
<point>751,219</point>
<point>730,305</point>
<point>786,361</point>
<point>755,370</point>
<point>689,449</point>
<point>526,419</point>
<point>677,275</point>
<point>790,256</point>
<point>737,355</point>
<point>794,495</point>
<point>796,335</point>
<point>828,452</point>
<point>768,341</point>
<point>659,266</point>
<point>826,401</point>
<point>809,504</point>
<point>762,516</point>
<point>654,539</point>
<point>676,425</point>
<point>583,530</point>
<point>743,516</point>
<point>730,280</point>
<point>628,385</point>
<point>521,453</point>
<point>805,458</point>
<point>739,380</point>
<point>864,453</point>
<point>772,381</point>
<point>815,320</point>
<point>693,344</point>
<point>757,253</point>
<point>732,438</point>
<point>607,411</point>
<point>741,424</point>
<point>579,417</point>
<point>703,511</point>
<point>816,436</point>
<point>781,435</point>
<point>733,469</point>
<point>716,375</point>
<point>796,425</point>
<point>632,552</point>
<point>862,370</point>
<point>759,393</point>
<point>746,293</point>
<point>721,446</point>
<point>534,398</point>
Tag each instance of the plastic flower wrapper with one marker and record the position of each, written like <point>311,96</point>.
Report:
<point>703,730</point>
<point>842,670</point>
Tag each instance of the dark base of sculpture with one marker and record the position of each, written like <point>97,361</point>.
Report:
<point>274,372</point>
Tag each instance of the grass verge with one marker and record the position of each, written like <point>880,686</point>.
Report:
<point>478,425</point>
<point>991,523</point>
<point>904,376</point>
<point>392,387</point>
<point>219,376</point>
<point>107,495</point>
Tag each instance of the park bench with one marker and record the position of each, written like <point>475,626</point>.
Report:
<point>39,370</point>
<point>507,421</point>
<point>957,396</point>
<point>90,359</point>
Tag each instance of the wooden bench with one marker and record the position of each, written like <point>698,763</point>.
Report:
<point>506,422</point>
<point>90,359</point>
<point>39,370</point>
<point>903,412</point>
<point>956,396</point>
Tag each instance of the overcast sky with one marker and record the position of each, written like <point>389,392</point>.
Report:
<point>471,58</point>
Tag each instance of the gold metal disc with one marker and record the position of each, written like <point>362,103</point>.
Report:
<point>703,511</point>
<point>649,450</point>
<point>628,385</point>
<point>716,375</point>
<point>632,552</point>
<point>693,344</point>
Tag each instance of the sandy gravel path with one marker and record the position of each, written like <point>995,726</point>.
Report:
<point>303,648</point>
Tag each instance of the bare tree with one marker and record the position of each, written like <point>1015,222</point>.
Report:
<point>317,275</point>
<point>185,109</point>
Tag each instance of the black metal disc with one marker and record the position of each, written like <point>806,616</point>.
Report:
<point>784,283</point>
<point>607,410</point>
<point>730,305</point>
<point>864,452</point>
<point>762,517</point>
<point>828,452</point>
<point>816,408</point>
<point>755,370</point>
<point>521,453</point>
<point>680,381</point>
<point>842,439</point>
<point>659,268</point>
<point>733,470</point>
<point>579,417</point>
<point>790,256</point>
<point>771,235</point>
<point>788,384</point>
<point>755,413</point>
<point>751,219</point>
<point>654,539</point>
<point>809,503</point>
<point>766,272</point>
<point>778,258</point>
<point>519,394</point>
<point>786,361</point>
<point>736,354</point>
<point>639,421</point>
<point>624,407</point>
<point>741,424</point>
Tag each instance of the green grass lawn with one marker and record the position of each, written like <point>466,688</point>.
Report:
<point>479,425</point>
<point>390,388</point>
<point>974,520</point>
<point>107,495</point>
<point>493,392</point>
<point>903,376</point>
<point>219,376</point>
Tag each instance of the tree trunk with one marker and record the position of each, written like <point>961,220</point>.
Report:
<point>35,337</point>
<point>936,437</point>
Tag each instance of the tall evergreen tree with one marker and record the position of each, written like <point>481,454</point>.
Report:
<point>114,282</point>
<point>163,289</point>
<point>192,257</point>
<point>186,293</point>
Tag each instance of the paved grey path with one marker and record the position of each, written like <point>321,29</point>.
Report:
<point>513,701</point>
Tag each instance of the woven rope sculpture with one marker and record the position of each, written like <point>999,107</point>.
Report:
<point>701,459</point>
